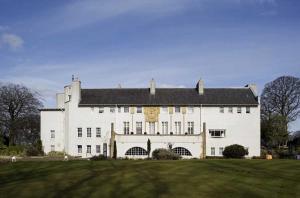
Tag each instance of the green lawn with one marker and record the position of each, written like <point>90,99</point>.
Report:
<point>185,178</point>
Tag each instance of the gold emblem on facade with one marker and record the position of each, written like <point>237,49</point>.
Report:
<point>151,114</point>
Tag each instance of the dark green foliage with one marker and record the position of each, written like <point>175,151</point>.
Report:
<point>98,158</point>
<point>148,147</point>
<point>164,154</point>
<point>115,150</point>
<point>235,151</point>
<point>13,151</point>
<point>56,154</point>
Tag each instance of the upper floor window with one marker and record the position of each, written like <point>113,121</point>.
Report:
<point>88,132</point>
<point>164,127</point>
<point>79,148</point>
<point>138,127</point>
<point>112,109</point>
<point>221,109</point>
<point>177,109</point>
<point>52,133</point>
<point>126,127</point>
<point>119,109</point>
<point>190,109</point>
<point>178,127</point>
<point>239,110</point>
<point>247,109</point>
<point>98,132</point>
<point>164,109</point>
<point>230,110</point>
<point>190,127</point>
<point>101,110</point>
<point>217,132</point>
<point>79,132</point>
<point>88,149</point>
<point>126,109</point>
<point>139,109</point>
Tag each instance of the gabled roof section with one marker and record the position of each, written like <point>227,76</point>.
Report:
<point>168,96</point>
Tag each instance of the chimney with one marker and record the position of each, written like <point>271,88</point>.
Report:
<point>253,89</point>
<point>152,87</point>
<point>200,87</point>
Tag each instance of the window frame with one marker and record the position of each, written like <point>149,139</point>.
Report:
<point>88,149</point>
<point>52,134</point>
<point>212,133</point>
<point>98,149</point>
<point>88,132</point>
<point>79,148</point>
<point>126,128</point>
<point>139,109</point>
<point>248,110</point>
<point>239,110</point>
<point>126,109</point>
<point>221,110</point>
<point>98,131</point>
<point>79,132</point>
<point>212,151</point>
<point>177,109</point>
<point>139,127</point>
<point>230,109</point>
<point>112,109</point>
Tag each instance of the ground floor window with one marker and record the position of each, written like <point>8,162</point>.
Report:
<point>105,149</point>
<point>212,151</point>
<point>152,127</point>
<point>136,151</point>
<point>97,148</point>
<point>182,151</point>
<point>138,127</point>
<point>79,148</point>
<point>88,149</point>
<point>221,149</point>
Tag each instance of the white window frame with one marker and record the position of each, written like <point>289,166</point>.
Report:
<point>52,134</point>
<point>152,127</point>
<point>239,110</point>
<point>164,109</point>
<point>248,110</point>
<point>126,128</point>
<point>165,128</point>
<point>139,127</point>
<point>214,133</point>
<point>177,109</point>
<point>88,132</point>
<point>98,149</point>
<point>190,110</point>
<point>101,109</point>
<point>79,132</point>
<point>221,149</point>
<point>79,148</point>
<point>88,149</point>
<point>139,109</point>
<point>112,110</point>
<point>178,128</point>
<point>212,151</point>
<point>191,126</point>
<point>221,110</point>
<point>126,109</point>
<point>98,132</point>
<point>230,109</point>
<point>52,147</point>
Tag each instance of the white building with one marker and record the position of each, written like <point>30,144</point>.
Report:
<point>194,122</point>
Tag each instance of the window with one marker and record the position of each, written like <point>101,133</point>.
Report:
<point>79,148</point>
<point>177,109</point>
<point>97,148</point>
<point>139,109</point>
<point>126,109</point>
<point>190,109</point>
<point>221,149</point>
<point>190,127</point>
<point>88,132</point>
<point>126,127</point>
<point>52,133</point>
<point>181,151</point>
<point>178,127</point>
<point>79,132</point>
<point>152,127</point>
<point>164,110</point>
<point>230,110</point>
<point>101,110</point>
<point>52,147</point>
<point>112,109</point>
<point>105,149</point>
<point>139,128</point>
<point>164,127</point>
<point>247,109</point>
<point>88,149</point>
<point>221,109</point>
<point>217,133</point>
<point>239,110</point>
<point>98,132</point>
<point>136,151</point>
<point>119,109</point>
<point>212,151</point>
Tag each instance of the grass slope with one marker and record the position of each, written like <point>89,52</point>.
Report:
<point>193,178</point>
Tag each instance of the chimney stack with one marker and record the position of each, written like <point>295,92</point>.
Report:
<point>152,87</point>
<point>200,87</point>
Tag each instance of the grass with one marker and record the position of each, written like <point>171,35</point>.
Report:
<point>142,178</point>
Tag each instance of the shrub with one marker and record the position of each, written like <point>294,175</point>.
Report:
<point>235,151</point>
<point>33,151</point>
<point>56,154</point>
<point>98,158</point>
<point>13,150</point>
<point>164,154</point>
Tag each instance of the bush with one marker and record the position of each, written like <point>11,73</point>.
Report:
<point>164,154</point>
<point>13,151</point>
<point>33,151</point>
<point>56,154</point>
<point>235,151</point>
<point>98,158</point>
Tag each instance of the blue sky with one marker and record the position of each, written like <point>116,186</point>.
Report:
<point>228,43</point>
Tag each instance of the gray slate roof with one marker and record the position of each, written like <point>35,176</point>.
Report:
<point>168,96</point>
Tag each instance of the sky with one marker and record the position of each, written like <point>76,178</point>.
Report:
<point>227,43</point>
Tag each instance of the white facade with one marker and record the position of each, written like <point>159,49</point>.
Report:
<point>191,128</point>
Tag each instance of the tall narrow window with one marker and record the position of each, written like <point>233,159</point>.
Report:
<point>119,109</point>
<point>230,110</point>
<point>126,127</point>
<point>239,110</point>
<point>165,129</point>
<point>247,109</point>
<point>88,149</point>
<point>178,127</point>
<point>98,132</point>
<point>221,109</point>
<point>152,127</point>
<point>88,132</point>
<point>112,109</point>
<point>97,148</point>
<point>138,127</point>
<point>79,132</point>
<point>190,109</point>
<point>177,109</point>
<point>105,149</point>
<point>190,127</point>
<point>79,148</point>
<point>139,109</point>
<point>101,110</point>
<point>221,149</point>
<point>212,151</point>
<point>126,109</point>
<point>52,133</point>
<point>164,110</point>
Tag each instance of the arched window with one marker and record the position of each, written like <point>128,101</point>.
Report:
<point>136,151</point>
<point>181,151</point>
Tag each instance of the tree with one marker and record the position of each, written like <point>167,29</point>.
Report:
<point>235,151</point>
<point>18,104</point>
<point>148,147</point>
<point>115,150</point>
<point>280,105</point>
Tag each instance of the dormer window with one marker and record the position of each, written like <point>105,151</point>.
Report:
<point>101,110</point>
<point>126,109</point>
<point>139,109</point>
<point>177,109</point>
<point>221,109</point>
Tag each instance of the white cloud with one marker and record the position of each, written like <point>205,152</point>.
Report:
<point>12,41</point>
<point>3,28</point>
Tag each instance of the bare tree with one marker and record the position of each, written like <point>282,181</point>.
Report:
<point>17,105</point>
